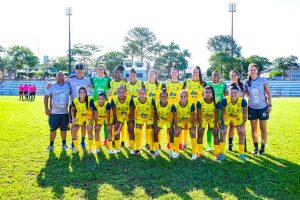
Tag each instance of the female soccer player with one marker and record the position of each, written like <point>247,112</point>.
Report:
<point>81,106</point>
<point>102,115</point>
<point>153,88</point>
<point>145,113</point>
<point>235,80</point>
<point>133,85</point>
<point>164,117</point>
<point>184,116</point>
<point>207,110</point>
<point>260,105</point>
<point>20,92</point>
<point>220,92</point>
<point>234,111</point>
<point>121,113</point>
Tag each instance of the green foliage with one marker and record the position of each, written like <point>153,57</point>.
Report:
<point>85,54</point>
<point>284,63</point>
<point>111,59</point>
<point>222,43</point>
<point>59,63</point>
<point>276,72</point>
<point>262,62</point>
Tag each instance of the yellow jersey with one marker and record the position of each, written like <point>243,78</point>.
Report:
<point>132,90</point>
<point>145,110</point>
<point>194,89</point>
<point>183,113</point>
<point>233,110</point>
<point>153,89</point>
<point>173,89</point>
<point>164,113</point>
<point>114,85</point>
<point>122,109</point>
<point>102,111</point>
<point>82,110</point>
<point>208,109</point>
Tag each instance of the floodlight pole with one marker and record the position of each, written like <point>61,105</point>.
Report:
<point>69,13</point>
<point>232,9</point>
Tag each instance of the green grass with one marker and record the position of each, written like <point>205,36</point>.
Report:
<point>27,171</point>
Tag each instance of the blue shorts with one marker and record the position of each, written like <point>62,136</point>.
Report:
<point>261,114</point>
<point>59,121</point>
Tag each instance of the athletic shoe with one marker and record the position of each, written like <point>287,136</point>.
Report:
<point>105,142</point>
<point>209,149</point>
<point>222,156</point>
<point>122,144</point>
<point>117,151</point>
<point>156,153</point>
<point>137,152</point>
<point>147,146</point>
<point>90,151</point>
<point>82,144</point>
<point>97,151</point>
<point>180,146</point>
<point>131,152</point>
<point>261,152</point>
<point>171,154</point>
<point>175,155</point>
<point>50,148</point>
<point>218,157</point>
<point>168,146</point>
<point>242,156</point>
<point>152,153</point>
<point>230,147</point>
<point>74,150</point>
<point>200,156</point>
<point>65,147</point>
<point>194,157</point>
<point>255,151</point>
<point>110,151</point>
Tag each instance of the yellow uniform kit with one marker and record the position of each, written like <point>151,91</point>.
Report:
<point>114,85</point>
<point>122,108</point>
<point>132,90</point>
<point>173,89</point>
<point>83,110</point>
<point>144,112</point>
<point>233,112</point>
<point>102,112</point>
<point>164,114</point>
<point>194,89</point>
<point>184,114</point>
<point>208,112</point>
<point>153,89</point>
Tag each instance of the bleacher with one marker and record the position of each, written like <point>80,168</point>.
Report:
<point>278,88</point>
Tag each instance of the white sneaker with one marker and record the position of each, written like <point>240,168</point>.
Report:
<point>65,147</point>
<point>74,150</point>
<point>171,154</point>
<point>90,151</point>
<point>131,152</point>
<point>97,151</point>
<point>175,155</point>
<point>117,151</point>
<point>50,148</point>
<point>194,157</point>
<point>110,151</point>
<point>156,153</point>
<point>209,149</point>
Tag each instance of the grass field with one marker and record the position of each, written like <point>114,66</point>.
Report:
<point>27,171</point>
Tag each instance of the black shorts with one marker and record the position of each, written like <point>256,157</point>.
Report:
<point>20,92</point>
<point>32,93</point>
<point>59,121</point>
<point>261,114</point>
<point>26,92</point>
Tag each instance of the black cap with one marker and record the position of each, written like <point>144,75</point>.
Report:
<point>79,66</point>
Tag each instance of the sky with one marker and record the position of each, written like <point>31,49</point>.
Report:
<point>269,28</point>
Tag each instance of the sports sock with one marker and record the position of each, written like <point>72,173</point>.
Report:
<point>138,138</point>
<point>230,140</point>
<point>176,144</point>
<point>216,149</point>
<point>76,144</point>
<point>91,143</point>
<point>97,142</point>
<point>222,147</point>
<point>241,148</point>
<point>209,137</point>
<point>117,144</point>
<point>109,144</point>
<point>200,149</point>
<point>51,143</point>
<point>149,133</point>
<point>256,145</point>
<point>105,131</point>
<point>194,145</point>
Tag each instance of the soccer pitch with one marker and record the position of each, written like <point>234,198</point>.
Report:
<point>27,171</point>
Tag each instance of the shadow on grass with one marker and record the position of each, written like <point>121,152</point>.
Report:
<point>262,177</point>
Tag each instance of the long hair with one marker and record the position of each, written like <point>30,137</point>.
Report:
<point>249,77</point>
<point>239,82</point>
<point>200,75</point>
<point>86,97</point>
<point>209,87</point>
<point>153,70</point>
<point>104,68</point>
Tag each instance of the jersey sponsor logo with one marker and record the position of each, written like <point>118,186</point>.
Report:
<point>194,94</point>
<point>144,115</point>
<point>172,95</point>
<point>123,113</point>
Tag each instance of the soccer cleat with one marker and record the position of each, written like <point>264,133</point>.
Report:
<point>218,157</point>
<point>168,146</point>
<point>152,153</point>
<point>209,149</point>
<point>200,156</point>
<point>74,150</point>
<point>255,151</point>
<point>175,155</point>
<point>65,147</point>
<point>117,151</point>
<point>82,144</point>
<point>97,151</point>
<point>242,156</point>
<point>110,151</point>
<point>180,146</point>
<point>194,157</point>
<point>137,152</point>
<point>156,153</point>
<point>222,156</point>
<point>122,144</point>
<point>105,142</point>
<point>262,152</point>
<point>171,154</point>
<point>230,147</point>
<point>131,152</point>
<point>50,148</point>
<point>147,146</point>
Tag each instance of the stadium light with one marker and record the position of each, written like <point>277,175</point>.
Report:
<point>232,9</point>
<point>69,13</point>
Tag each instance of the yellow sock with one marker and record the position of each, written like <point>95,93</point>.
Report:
<point>176,144</point>
<point>117,144</point>
<point>159,136</point>
<point>200,149</point>
<point>76,144</point>
<point>216,149</point>
<point>185,136</point>
<point>123,132</point>
<point>109,144</point>
<point>97,142</point>
<point>156,146</point>
<point>168,136</point>
<point>131,144</point>
<point>181,138</point>
<point>194,145</point>
<point>222,147</point>
<point>148,137</point>
<point>91,143</point>
<point>241,148</point>
<point>171,146</point>
<point>137,138</point>
<point>149,132</point>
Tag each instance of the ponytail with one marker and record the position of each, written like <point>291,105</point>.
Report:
<point>249,77</point>
<point>200,75</point>
<point>86,97</point>
<point>239,82</point>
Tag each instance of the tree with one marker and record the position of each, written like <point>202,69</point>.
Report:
<point>59,63</point>
<point>222,43</point>
<point>85,53</point>
<point>285,63</point>
<point>3,60</point>
<point>19,56</point>
<point>111,59</point>
<point>276,72</point>
<point>139,43</point>
<point>262,62</point>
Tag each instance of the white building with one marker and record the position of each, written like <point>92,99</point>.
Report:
<point>141,68</point>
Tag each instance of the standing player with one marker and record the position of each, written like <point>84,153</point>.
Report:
<point>33,92</point>
<point>234,111</point>
<point>133,85</point>
<point>57,110</point>
<point>260,105</point>
<point>20,87</point>
<point>25,91</point>
<point>220,92</point>
<point>208,108</point>
<point>184,117</point>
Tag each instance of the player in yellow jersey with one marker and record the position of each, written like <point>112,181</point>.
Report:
<point>153,88</point>
<point>184,116</point>
<point>133,86</point>
<point>173,87</point>
<point>121,111</point>
<point>164,117</point>
<point>81,106</point>
<point>234,111</point>
<point>102,115</point>
<point>207,111</point>
<point>145,113</point>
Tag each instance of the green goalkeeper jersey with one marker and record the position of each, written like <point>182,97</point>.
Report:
<point>219,89</point>
<point>101,84</point>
